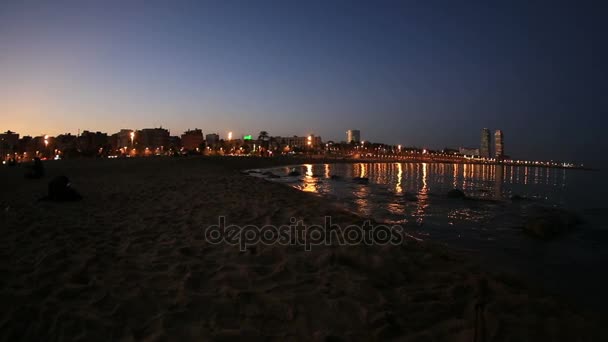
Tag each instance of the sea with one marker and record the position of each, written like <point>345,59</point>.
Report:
<point>489,225</point>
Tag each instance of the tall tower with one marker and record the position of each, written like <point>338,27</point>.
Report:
<point>484,150</point>
<point>499,144</point>
<point>353,135</point>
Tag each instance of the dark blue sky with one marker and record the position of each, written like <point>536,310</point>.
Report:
<point>426,73</point>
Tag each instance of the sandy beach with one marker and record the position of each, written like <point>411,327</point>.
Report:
<point>130,262</point>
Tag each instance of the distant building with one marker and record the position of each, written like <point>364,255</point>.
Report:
<point>299,142</point>
<point>9,138</point>
<point>26,146</point>
<point>468,151</point>
<point>41,145</point>
<point>353,135</point>
<point>123,139</point>
<point>175,143</point>
<point>93,143</point>
<point>499,145</point>
<point>484,150</point>
<point>66,143</point>
<point>193,139</point>
<point>212,139</point>
<point>9,142</point>
<point>152,139</point>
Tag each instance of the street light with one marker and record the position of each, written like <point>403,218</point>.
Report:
<point>46,144</point>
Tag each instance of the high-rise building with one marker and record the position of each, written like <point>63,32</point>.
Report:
<point>353,135</point>
<point>499,144</point>
<point>484,150</point>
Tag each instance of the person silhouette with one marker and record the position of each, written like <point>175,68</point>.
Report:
<point>35,171</point>
<point>60,190</point>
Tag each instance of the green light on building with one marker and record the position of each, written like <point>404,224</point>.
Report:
<point>247,137</point>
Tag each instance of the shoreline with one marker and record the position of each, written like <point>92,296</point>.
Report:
<point>130,261</point>
<point>297,160</point>
<point>466,241</point>
<point>282,160</point>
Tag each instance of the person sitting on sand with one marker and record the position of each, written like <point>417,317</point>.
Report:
<point>35,171</point>
<point>60,190</point>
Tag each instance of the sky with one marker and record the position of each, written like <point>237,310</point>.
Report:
<point>417,73</point>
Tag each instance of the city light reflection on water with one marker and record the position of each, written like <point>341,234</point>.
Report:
<point>415,192</point>
<point>414,195</point>
<point>423,195</point>
<point>309,182</point>
<point>398,185</point>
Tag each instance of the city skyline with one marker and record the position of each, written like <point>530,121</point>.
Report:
<point>354,134</point>
<point>425,75</point>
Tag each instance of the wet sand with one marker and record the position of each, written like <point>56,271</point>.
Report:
<point>130,262</point>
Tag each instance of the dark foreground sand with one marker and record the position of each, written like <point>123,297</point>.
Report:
<point>130,263</point>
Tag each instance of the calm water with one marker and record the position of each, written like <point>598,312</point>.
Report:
<point>414,195</point>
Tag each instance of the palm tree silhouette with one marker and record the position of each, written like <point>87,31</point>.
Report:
<point>264,139</point>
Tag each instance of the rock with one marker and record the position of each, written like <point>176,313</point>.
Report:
<point>294,173</point>
<point>410,197</point>
<point>456,193</point>
<point>361,180</point>
<point>335,177</point>
<point>516,198</point>
<point>547,223</point>
<point>269,174</point>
